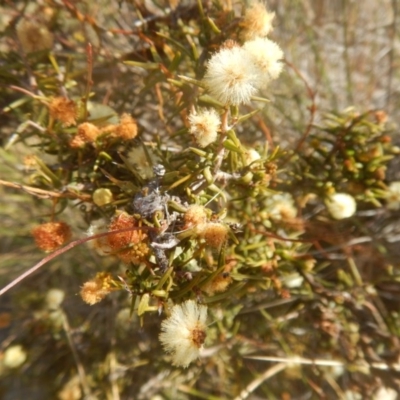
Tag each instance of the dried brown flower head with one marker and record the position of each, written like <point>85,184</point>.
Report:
<point>218,285</point>
<point>64,110</point>
<point>214,233</point>
<point>51,235</point>
<point>129,246</point>
<point>33,36</point>
<point>126,129</point>
<point>87,133</point>
<point>95,290</point>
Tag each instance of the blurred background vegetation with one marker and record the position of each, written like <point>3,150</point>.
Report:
<point>324,325</point>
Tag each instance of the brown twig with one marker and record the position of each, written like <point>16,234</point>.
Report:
<point>312,108</point>
<point>264,128</point>
<point>45,194</point>
<point>63,250</point>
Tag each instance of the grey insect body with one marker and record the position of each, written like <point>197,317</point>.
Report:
<point>146,203</point>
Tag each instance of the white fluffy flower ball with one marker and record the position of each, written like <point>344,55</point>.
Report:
<point>266,56</point>
<point>251,156</point>
<point>54,298</point>
<point>14,356</point>
<point>341,205</point>
<point>281,206</point>
<point>230,77</point>
<point>393,196</point>
<point>257,21</point>
<point>204,126</point>
<point>184,332</point>
<point>234,74</point>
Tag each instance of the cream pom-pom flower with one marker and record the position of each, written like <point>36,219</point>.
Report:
<point>393,196</point>
<point>251,156</point>
<point>341,205</point>
<point>230,77</point>
<point>281,206</point>
<point>266,55</point>
<point>257,21</point>
<point>204,126</point>
<point>14,356</point>
<point>184,332</point>
<point>234,74</point>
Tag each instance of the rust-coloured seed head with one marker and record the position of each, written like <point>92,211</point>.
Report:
<point>126,129</point>
<point>214,233</point>
<point>87,133</point>
<point>218,285</point>
<point>129,246</point>
<point>77,142</point>
<point>51,235</point>
<point>96,289</point>
<point>64,110</point>
<point>120,240</point>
